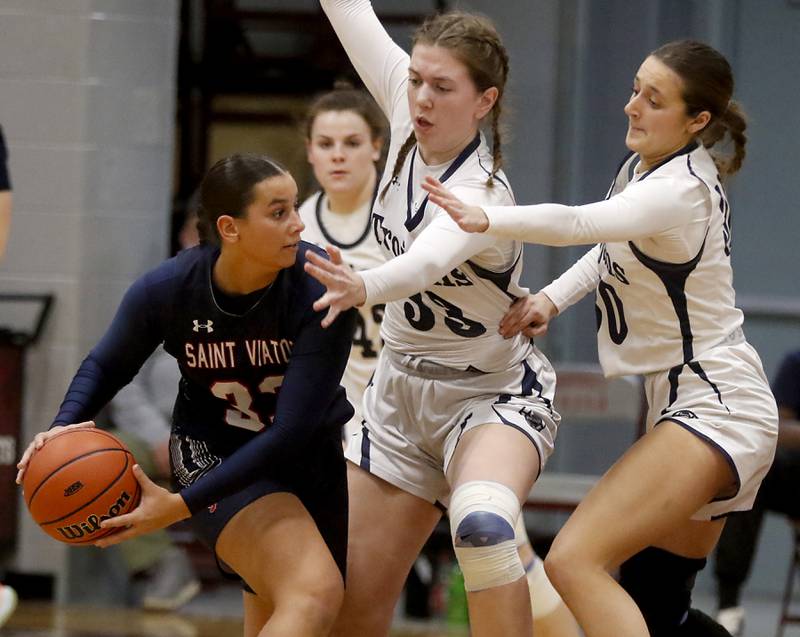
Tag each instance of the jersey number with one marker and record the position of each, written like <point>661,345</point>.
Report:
<point>617,327</point>
<point>422,318</point>
<point>361,337</point>
<point>241,413</point>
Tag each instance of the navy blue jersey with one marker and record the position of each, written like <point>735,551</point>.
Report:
<point>5,180</point>
<point>258,382</point>
<point>786,386</point>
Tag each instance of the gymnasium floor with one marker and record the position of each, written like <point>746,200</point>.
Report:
<point>215,614</point>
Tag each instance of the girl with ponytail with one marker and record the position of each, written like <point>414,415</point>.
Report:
<point>661,269</point>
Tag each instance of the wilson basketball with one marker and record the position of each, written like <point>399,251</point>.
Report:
<point>79,478</point>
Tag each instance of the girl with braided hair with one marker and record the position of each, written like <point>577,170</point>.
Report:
<point>456,417</point>
<point>665,308</point>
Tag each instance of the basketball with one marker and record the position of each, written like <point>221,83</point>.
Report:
<point>79,478</point>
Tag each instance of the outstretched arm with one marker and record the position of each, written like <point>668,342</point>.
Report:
<point>644,209</point>
<point>438,249</point>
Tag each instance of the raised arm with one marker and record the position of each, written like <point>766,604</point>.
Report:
<point>381,64</point>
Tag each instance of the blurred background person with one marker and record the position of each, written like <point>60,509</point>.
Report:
<point>141,415</point>
<point>345,131</point>
<point>737,545</point>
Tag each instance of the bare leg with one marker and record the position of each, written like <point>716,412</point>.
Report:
<point>388,528</point>
<point>274,544</point>
<point>256,613</point>
<point>501,454</point>
<point>645,499</point>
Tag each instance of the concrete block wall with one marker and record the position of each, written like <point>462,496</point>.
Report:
<point>87,104</point>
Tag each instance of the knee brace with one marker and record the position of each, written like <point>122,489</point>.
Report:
<point>482,518</point>
<point>661,584</point>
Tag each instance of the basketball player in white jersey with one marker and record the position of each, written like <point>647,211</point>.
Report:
<point>344,135</point>
<point>456,415</point>
<point>665,308</point>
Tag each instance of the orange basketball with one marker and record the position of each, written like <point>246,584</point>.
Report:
<point>79,478</point>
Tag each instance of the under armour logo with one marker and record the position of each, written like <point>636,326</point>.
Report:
<point>208,326</point>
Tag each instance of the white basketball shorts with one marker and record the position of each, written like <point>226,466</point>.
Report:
<point>415,412</point>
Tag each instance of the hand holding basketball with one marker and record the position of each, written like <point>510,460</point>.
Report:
<point>38,442</point>
<point>158,509</point>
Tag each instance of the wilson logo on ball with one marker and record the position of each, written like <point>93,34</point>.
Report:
<point>92,523</point>
<point>73,488</point>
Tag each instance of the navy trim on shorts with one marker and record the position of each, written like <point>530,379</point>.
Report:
<point>531,382</point>
<point>716,445</point>
<point>698,369</point>
<point>364,462</point>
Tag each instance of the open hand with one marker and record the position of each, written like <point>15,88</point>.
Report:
<point>157,509</point>
<point>468,218</point>
<point>345,288</point>
<point>39,441</point>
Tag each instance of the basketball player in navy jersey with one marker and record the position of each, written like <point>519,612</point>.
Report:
<point>665,307</point>
<point>256,439</point>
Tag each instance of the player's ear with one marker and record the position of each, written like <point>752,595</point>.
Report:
<point>227,229</point>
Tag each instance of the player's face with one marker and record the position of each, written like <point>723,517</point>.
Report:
<point>446,108</point>
<point>342,152</point>
<point>658,124</point>
<point>269,230</point>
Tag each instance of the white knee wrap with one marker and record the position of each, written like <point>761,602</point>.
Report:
<point>520,532</point>
<point>482,518</point>
<point>544,598</point>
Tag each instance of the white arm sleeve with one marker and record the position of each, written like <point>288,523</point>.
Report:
<point>643,209</point>
<point>576,282</point>
<point>439,248</point>
<point>381,64</point>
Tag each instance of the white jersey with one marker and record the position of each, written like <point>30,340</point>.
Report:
<point>655,314</point>
<point>453,287</point>
<point>361,253</point>
<point>662,272</point>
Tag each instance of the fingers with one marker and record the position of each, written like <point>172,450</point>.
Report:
<point>116,538</point>
<point>127,519</point>
<point>335,254</point>
<point>39,441</point>
<point>321,274</point>
<point>36,444</point>
<point>141,477</point>
<point>535,330</point>
<point>323,302</point>
<point>330,317</point>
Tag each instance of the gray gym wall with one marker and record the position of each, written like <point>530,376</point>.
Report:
<point>87,105</point>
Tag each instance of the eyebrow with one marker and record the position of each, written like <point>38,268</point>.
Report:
<point>276,201</point>
<point>650,86</point>
<point>438,78</point>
